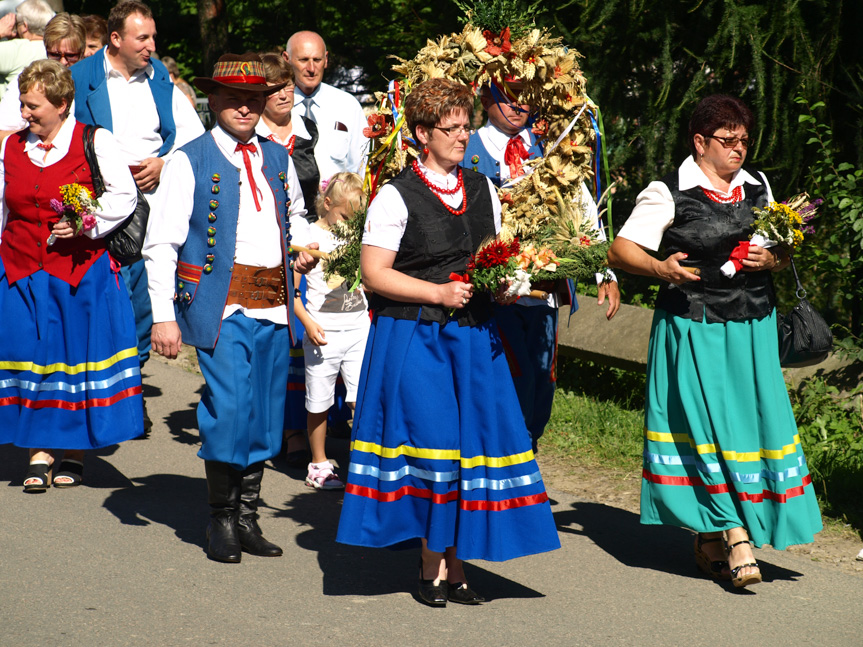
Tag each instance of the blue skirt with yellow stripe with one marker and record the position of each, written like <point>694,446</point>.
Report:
<point>439,447</point>
<point>69,371</point>
<point>721,448</point>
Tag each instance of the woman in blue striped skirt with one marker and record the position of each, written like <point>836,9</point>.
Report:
<point>69,372</point>
<point>440,452</point>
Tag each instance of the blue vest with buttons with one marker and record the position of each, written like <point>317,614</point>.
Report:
<point>205,261</point>
<point>93,105</point>
<point>478,159</point>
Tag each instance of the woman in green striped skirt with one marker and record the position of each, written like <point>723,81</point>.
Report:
<point>721,450</point>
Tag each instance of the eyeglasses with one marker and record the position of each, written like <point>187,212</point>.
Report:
<point>730,142</point>
<point>454,131</point>
<point>59,56</point>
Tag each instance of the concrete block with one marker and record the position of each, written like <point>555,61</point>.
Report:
<point>621,342</point>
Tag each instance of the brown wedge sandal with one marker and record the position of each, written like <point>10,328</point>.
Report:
<point>738,579</point>
<point>715,569</point>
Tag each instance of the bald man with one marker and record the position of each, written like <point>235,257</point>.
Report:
<point>338,116</point>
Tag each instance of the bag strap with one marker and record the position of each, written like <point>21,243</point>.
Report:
<point>90,155</point>
<point>801,291</point>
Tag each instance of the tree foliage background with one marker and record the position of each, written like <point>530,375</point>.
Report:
<point>647,62</point>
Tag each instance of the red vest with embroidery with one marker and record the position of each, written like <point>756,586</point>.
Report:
<point>28,193</point>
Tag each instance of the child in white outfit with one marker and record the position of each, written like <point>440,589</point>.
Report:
<point>337,324</point>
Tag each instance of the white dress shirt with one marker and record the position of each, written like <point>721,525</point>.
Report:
<point>120,195</point>
<point>15,55</point>
<point>340,119</point>
<point>388,213</point>
<point>654,207</point>
<point>298,129</point>
<point>258,236</point>
<point>135,118</point>
<point>495,141</point>
<point>10,108</point>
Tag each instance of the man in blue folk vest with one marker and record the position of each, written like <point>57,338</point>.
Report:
<point>528,328</point>
<point>218,258</point>
<point>123,89</point>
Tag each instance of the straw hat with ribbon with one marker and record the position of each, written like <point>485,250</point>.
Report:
<point>239,72</point>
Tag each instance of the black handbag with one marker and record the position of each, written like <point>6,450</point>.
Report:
<point>804,337</point>
<point>125,241</point>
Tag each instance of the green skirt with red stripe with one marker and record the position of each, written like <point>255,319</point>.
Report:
<point>721,448</point>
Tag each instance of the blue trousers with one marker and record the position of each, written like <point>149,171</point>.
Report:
<point>243,405</point>
<point>135,277</point>
<point>529,335</point>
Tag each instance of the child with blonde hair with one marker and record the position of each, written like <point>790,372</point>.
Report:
<point>337,325</point>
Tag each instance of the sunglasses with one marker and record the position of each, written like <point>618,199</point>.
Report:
<point>730,142</point>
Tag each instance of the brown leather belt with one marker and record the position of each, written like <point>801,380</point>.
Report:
<point>257,287</point>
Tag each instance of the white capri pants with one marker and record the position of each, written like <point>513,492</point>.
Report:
<point>343,353</point>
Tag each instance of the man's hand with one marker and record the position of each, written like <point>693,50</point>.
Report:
<point>7,26</point>
<point>609,290</point>
<point>166,339</point>
<point>148,177</point>
<point>305,262</point>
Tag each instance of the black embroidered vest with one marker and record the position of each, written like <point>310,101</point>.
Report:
<point>437,243</point>
<point>708,232</point>
<point>303,157</point>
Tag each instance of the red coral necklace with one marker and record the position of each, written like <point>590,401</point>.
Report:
<point>439,191</point>
<point>715,196</point>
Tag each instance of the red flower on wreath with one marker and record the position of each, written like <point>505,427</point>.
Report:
<point>506,198</point>
<point>377,127</point>
<point>497,44</point>
<point>540,127</point>
<point>585,241</point>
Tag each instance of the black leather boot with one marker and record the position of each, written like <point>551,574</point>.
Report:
<point>251,538</point>
<point>223,486</point>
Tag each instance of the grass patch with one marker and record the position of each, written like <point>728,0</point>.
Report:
<point>597,417</point>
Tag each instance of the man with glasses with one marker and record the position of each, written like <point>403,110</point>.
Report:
<point>122,88</point>
<point>26,28</point>
<point>64,42</point>
<point>528,328</point>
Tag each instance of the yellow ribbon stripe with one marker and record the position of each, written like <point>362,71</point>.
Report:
<point>441,454</point>
<point>710,448</point>
<point>66,368</point>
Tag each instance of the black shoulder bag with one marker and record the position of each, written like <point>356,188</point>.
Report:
<point>804,337</point>
<point>125,241</point>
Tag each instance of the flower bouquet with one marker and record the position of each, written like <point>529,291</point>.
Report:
<point>76,207</point>
<point>779,223</point>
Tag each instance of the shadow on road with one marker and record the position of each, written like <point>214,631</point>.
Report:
<point>353,570</point>
<point>660,548</point>
<point>183,424</point>
<point>178,502</point>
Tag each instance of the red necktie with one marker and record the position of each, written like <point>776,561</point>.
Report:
<point>44,147</point>
<point>246,149</point>
<point>513,155</point>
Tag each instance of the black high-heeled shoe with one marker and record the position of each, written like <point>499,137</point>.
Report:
<point>434,595</point>
<point>461,593</point>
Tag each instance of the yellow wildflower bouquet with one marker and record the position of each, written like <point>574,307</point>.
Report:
<point>77,207</point>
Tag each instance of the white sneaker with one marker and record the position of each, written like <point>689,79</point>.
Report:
<point>322,476</point>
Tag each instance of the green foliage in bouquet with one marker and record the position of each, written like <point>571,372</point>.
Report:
<point>344,260</point>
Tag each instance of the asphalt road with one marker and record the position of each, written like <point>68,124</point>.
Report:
<point>120,561</point>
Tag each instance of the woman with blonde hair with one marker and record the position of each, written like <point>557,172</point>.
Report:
<point>69,373</point>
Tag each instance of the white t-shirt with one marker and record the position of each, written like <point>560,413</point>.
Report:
<point>333,308</point>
